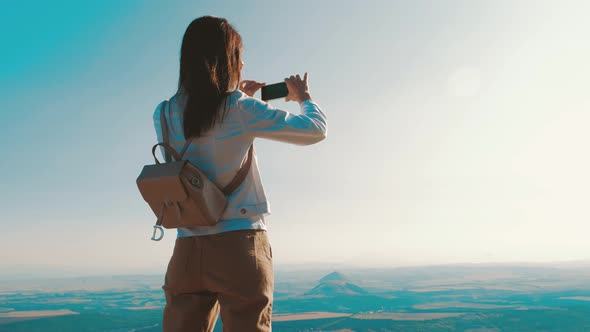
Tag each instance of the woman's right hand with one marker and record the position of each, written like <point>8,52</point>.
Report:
<point>250,87</point>
<point>298,88</point>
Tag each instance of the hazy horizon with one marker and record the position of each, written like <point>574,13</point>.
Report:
<point>457,130</point>
<point>40,272</point>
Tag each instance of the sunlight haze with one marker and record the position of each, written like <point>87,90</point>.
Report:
<point>457,130</point>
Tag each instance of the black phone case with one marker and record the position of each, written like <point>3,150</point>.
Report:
<point>274,91</point>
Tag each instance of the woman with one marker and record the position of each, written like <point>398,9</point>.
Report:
<point>226,268</point>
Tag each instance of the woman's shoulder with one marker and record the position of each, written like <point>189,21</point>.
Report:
<point>246,103</point>
<point>158,110</point>
<point>237,97</point>
<point>174,101</point>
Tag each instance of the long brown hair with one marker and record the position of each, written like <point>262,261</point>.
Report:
<point>210,63</point>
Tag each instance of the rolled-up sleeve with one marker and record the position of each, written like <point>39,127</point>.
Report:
<point>262,120</point>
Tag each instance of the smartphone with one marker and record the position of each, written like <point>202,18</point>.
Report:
<point>274,91</point>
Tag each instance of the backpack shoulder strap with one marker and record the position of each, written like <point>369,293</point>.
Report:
<point>241,175</point>
<point>164,124</point>
<point>166,135</point>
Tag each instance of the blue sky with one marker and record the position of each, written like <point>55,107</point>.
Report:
<point>457,130</point>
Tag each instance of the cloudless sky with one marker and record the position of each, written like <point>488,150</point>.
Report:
<point>458,130</point>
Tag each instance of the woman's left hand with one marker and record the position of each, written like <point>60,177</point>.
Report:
<point>250,87</point>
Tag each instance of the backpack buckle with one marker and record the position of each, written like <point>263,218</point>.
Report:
<point>156,228</point>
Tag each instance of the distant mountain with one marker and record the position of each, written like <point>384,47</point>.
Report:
<point>335,284</point>
<point>334,276</point>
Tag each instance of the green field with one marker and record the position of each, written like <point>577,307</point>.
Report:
<point>453,298</point>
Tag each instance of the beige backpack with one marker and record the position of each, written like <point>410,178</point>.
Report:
<point>178,193</point>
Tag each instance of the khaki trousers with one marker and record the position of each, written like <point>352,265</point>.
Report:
<point>229,273</point>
